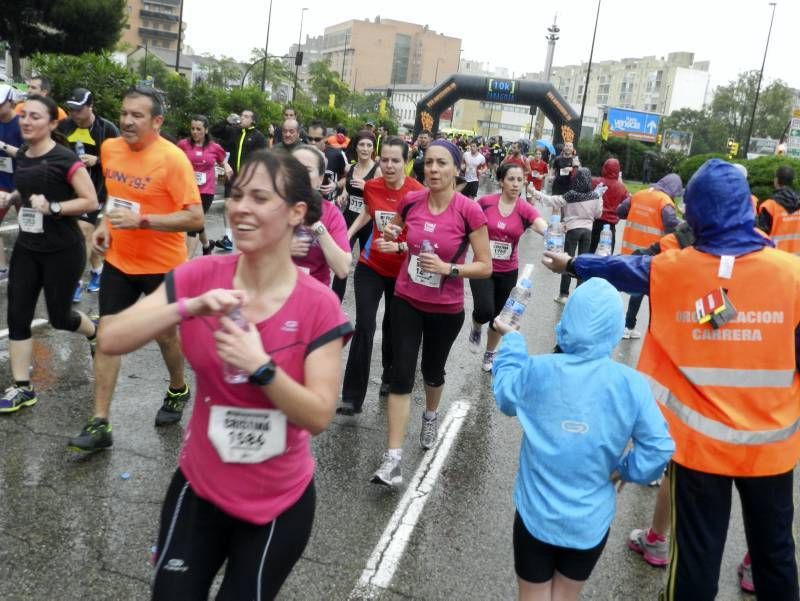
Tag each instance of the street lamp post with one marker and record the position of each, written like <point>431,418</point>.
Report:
<point>588,72</point>
<point>436,71</point>
<point>266,51</point>
<point>180,39</point>
<point>297,62</point>
<point>758,87</point>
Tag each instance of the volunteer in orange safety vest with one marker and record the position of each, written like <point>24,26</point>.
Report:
<point>779,216</point>
<point>729,386</point>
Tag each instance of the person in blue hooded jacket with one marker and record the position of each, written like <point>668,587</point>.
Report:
<point>734,409</point>
<point>578,409</point>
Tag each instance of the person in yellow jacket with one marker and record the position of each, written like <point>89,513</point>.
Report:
<point>728,382</point>
<point>779,216</point>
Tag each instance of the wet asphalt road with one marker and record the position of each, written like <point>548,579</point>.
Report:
<point>76,528</point>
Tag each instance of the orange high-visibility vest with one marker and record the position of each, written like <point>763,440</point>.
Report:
<point>669,242</point>
<point>643,225</point>
<point>731,396</point>
<point>785,232</point>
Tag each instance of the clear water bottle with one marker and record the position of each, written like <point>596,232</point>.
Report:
<point>554,241</point>
<point>304,234</point>
<point>231,373</point>
<point>518,299</point>
<point>80,149</point>
<point>427,247</point>
<point>604,246</point>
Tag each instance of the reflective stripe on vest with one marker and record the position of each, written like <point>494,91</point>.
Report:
<point>632,246</point>
<point>645,228</point>
<point>714,429</point>
<point>739,378</point>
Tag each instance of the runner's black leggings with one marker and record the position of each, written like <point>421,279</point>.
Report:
<point>57,273</point>
<point>412,328</point>
<point>196,538</point>
<point>339,285</point>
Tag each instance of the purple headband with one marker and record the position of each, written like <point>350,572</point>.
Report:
<point>454,150</point>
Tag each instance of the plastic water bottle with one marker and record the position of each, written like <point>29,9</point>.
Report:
<point>80,149</point>
<point>604,246</point>
<point>518,299</point>
<point>555,235</point>
<point>427,247</point>
<point>231,373</point>
<point>304,234</point>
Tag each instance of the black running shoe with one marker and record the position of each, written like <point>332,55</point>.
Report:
<point>171,410</point>
<point>95,436</point>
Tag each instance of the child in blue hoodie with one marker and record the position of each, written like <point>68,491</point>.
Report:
<point>579,409</point>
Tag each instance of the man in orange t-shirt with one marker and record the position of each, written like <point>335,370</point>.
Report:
<point>152,202</point>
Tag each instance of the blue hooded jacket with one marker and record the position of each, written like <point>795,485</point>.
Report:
<point>578,410</point>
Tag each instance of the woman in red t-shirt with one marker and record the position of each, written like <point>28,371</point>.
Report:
<point>538,171</point>
<point>378,266</point>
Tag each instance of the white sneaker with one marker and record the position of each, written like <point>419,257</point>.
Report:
<point>561,299</point>
<point>488,360</point>
<point>631,334</point>
<point>475,340</point>
<point>388,473</point>
<point>428,432</point>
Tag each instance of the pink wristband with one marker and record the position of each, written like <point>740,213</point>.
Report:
<point>182,311</point>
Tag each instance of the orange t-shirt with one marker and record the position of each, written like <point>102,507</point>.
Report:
<point>154,181</point>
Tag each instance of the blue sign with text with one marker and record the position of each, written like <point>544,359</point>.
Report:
<point>634,123</point>
<point>501,90</point>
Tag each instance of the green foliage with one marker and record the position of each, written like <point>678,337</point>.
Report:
<point>761,173</point>
<point>277,72</point>
<point>324,82</point>
<point>106,79</point>
<point>631,155</point>
<point>688,166</point>
<point>66,27</point>
<point>710,133</point>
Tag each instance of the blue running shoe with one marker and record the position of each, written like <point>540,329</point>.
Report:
<point>94,283</point>
<point>16,397</point>
<point>76,298</point>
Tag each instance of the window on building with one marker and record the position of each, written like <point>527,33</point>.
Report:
<point>402,52</point>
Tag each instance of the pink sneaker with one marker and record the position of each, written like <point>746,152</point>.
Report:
<point>654,550</point>
<point>745,571</point>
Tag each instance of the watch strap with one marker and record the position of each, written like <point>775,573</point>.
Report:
<point>263,375</point>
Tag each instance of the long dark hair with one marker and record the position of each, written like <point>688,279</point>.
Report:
<point>289,176</point>
<point>207,139</point>
<point>52,111</point>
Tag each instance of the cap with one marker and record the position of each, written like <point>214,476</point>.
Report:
<point>369,124</point>
<point>80,97</point>
<point>6,93</point>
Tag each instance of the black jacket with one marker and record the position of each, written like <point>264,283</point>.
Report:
<point>245,142</point>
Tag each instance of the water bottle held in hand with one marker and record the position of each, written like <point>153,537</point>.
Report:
<point>427,247</point>
<point>231,373</point>
<point>604,246</point>
<point>554,240</point>
<point>80,149</point>
<point>304,234</point>
<point>514,308</point>
<point>600,190</point>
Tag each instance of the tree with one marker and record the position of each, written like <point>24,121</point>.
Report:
<point>323,82</point>
<point>66,27</point>
<point>277,71</point>
<point>224,72</point>
<point>774,110</point>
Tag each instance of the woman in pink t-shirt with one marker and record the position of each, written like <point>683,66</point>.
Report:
<point>204,154</point>
<point>243,493</point>
<point>508,217</point>
<point>428,303</point>
<point>321,246</point>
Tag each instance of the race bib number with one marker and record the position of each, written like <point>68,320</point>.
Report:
<point>420,276</point>
<point>30,220</point>
<point>200,177</point>
<point>247,435</point>
<point>565,171</point>
<point>5,165</point>
<point>114,202</point>
<point>356,204</point>
<point>500,250</point>
<point>383,218</point>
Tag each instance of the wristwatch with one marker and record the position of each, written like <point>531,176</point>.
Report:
<point>318,228</point>
<point>263,375</point>
<point>454,270</point>
<point>55,209</point>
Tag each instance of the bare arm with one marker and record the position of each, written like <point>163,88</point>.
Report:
<point>539,226</point>
<point>363,219</point>
<point>337,258</point>
<point>188,219</point>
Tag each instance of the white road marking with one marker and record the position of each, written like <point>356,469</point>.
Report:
<point>387,554</point>
<point>34,324</point>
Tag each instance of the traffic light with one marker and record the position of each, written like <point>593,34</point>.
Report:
<point>733,148</point>
<point>298,58</point>
<point>658,140</point>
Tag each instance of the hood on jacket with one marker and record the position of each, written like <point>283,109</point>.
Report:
<point>720,212</point>
<point>582,182</point>
<point>670,185</point>
<point>787,198</point>
<point>593,320</point>
<point>610,169</point>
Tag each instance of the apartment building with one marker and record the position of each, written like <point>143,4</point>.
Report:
<point>155,24</point>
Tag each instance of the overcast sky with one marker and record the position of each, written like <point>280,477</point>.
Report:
<point>729,33</point>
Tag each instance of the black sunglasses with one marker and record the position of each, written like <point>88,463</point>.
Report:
<point>315,139</point>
